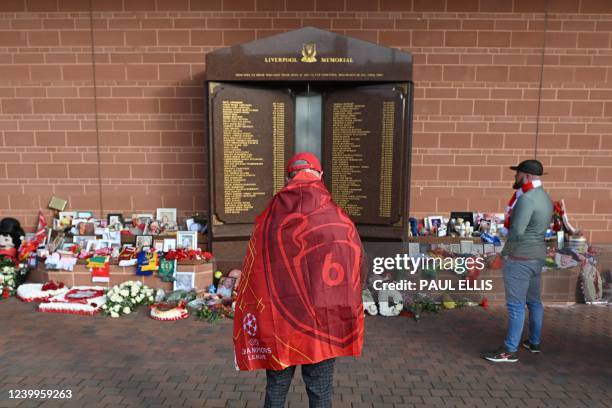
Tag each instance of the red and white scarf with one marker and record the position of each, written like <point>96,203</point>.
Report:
<point>525,188</point>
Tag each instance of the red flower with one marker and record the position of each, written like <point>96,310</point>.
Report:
<point>484,303</point>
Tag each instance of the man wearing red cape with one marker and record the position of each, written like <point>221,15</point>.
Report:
<point>299,297</point>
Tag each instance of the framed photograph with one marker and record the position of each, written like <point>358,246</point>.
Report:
<point>226,286</point>
<point>141,219</point>
<point>466,216</point>
<point>169,244</point>
<point>189,222</point>
<point>152,228</point>
<point>158,245</point>
<point>58,204</point>
<point>114,219</point>
<point>56,243</point>
<point>193,225</point>
<point>166,215</point>
<point>144,240</point>
<point>187,239</point>
<point>112,236</point>
<point>66,218</point>
<point>91,245</point>
<point>435,222</point>
<point>86,228</point>
<point>82,240</point>
<point>184,281</point>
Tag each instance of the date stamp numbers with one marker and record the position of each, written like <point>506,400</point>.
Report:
<point>40,394</point>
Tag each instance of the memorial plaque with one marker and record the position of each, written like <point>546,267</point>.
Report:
<point>253,136</point>
<point>309,54</point>
<point>353,102</point>
<point>363,151</point>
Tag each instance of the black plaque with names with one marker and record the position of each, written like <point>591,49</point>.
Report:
<point>253,136</point>
<point>364,148</point>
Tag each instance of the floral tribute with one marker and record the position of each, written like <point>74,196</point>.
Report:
<point>39,292</point>
<point>122,299</point>
<point>81,300</point>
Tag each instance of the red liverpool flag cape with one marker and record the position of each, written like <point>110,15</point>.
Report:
<point>299,297</point>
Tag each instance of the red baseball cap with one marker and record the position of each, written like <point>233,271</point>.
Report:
<point>312,162</point>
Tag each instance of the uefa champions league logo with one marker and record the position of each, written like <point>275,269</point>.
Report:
<point>249,324</point>
<point>253,350</point>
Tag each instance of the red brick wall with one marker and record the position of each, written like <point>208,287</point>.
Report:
<point>477,73</point>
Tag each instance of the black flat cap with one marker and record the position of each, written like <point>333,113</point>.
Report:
<point>530,167</point>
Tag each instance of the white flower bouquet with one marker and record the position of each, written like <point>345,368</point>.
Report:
<point>8,279</point>
<point>122,299</point>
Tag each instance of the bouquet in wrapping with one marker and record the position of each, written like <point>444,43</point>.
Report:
<point>8,279</point>
<point>122,299</point>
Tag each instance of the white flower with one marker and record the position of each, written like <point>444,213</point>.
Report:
<point>104,306</point>
<point>113,314</point>
<point>126,310</point>
<point>116,308</point>
<point>150,298</point>
<point>138,283</point>
<point>124,292</point>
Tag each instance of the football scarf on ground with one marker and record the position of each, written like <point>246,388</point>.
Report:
<point>169,312</point>
<point>100,271</point>
<point>83,300</point>
<point>147,263</point>
<point>166,270</point>
<point>299,297</point>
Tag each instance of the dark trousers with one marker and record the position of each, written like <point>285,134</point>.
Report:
<point>317,378</point>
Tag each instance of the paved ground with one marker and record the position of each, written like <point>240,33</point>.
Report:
<point>136,361</point>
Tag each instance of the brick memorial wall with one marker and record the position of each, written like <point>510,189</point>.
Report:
<point>477,69</point>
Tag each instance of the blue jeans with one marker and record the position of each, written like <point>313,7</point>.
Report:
<point>523,282</point>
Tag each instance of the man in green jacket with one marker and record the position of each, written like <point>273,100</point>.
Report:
<point>528,216</point>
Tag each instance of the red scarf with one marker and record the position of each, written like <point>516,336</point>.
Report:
<point>525,188</point>
<point>299,298</point>
<point>9,253</point>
